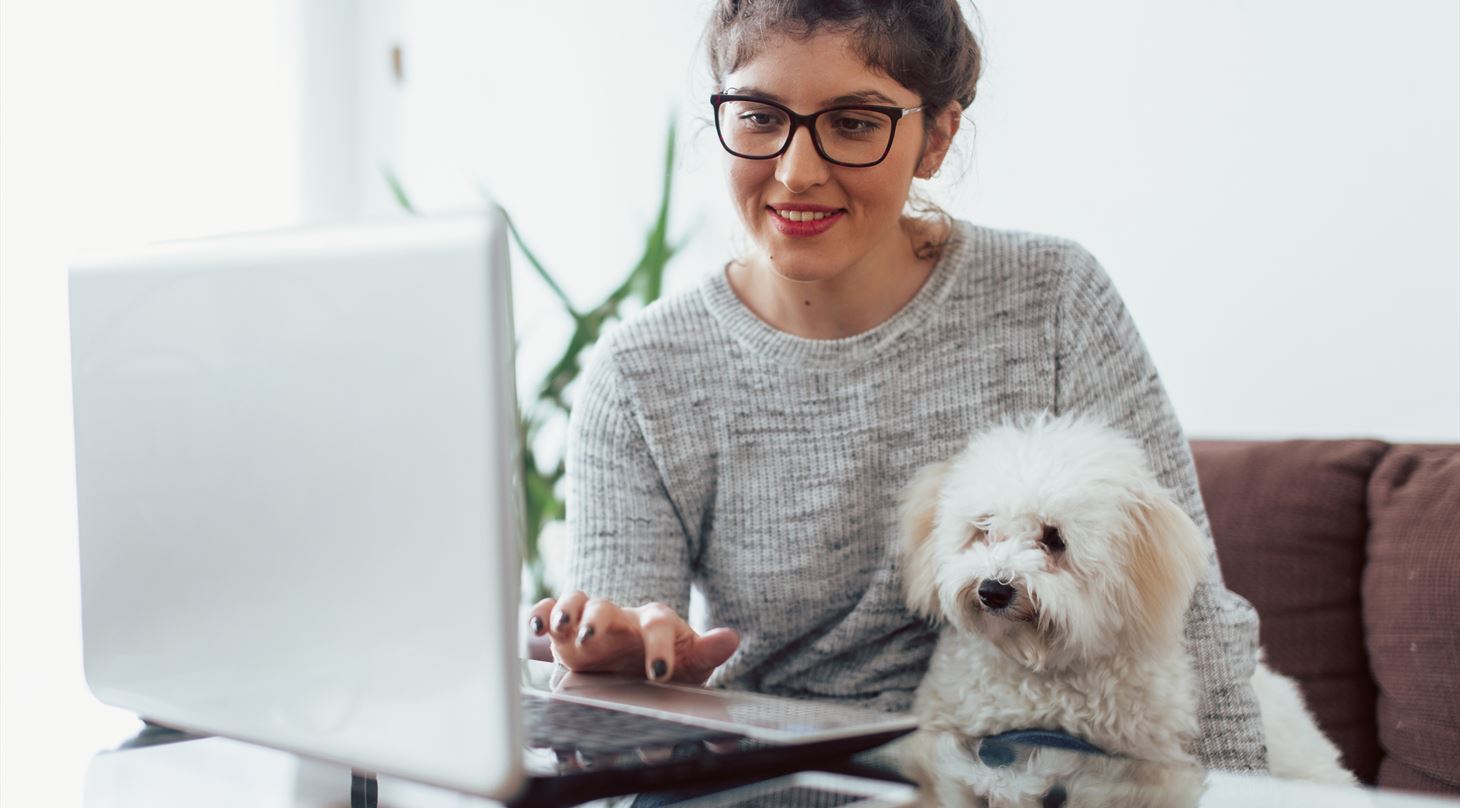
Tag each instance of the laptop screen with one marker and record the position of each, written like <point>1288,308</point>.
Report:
<point>296,462</point>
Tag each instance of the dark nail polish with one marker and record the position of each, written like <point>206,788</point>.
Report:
<point>660,668</point>
<point>585,633</point>
<point>536,624</point>
<point>562,619</point>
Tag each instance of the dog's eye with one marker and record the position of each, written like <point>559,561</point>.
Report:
<point>1052,540</point>
<point>974,537</point>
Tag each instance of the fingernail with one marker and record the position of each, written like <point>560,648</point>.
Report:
<point>660,668</point>
<point>562,619</point>
<point>536,624</point>
<point>585,634</point>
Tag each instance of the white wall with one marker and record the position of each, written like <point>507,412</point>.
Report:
<point>1275,187</point>
<point>120,123</point>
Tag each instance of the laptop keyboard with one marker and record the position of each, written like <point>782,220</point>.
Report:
<point>566,725</point>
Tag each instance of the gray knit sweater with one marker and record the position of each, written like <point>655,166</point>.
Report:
<point>709,449</point>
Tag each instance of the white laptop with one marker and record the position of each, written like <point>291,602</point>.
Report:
<point>296,459</point>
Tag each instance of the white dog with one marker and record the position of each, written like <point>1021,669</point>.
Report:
<point>1061,572</point>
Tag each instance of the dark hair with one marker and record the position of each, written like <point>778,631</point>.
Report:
<point>926,46</point>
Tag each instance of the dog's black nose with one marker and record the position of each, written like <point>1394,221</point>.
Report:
<point>995,595</point>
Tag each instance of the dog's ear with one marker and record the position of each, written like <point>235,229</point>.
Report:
<point>917,514</point>
<point>1167,558</point>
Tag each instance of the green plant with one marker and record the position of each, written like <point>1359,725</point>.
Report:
<point>542,477</point>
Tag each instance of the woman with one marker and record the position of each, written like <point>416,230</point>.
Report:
<point>751,437</point>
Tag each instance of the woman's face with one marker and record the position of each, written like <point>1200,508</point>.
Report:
<point>864,204</point>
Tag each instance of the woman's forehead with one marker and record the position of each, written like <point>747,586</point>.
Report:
<point>822,70</point>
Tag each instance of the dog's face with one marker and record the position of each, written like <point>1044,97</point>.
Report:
<point>1054,540</point>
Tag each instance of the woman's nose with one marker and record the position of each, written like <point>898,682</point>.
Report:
<point>800,168</point>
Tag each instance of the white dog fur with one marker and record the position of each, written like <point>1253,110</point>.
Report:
<point>1102,565</point>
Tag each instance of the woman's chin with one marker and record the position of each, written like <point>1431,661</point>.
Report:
<point>797,272</point>
<point>804,263</point>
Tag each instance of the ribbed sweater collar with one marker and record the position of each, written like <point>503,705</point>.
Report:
<point>789,349</point>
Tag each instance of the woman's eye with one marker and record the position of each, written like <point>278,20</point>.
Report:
<point>760,119</point>
<point>1052,540</point>
<point>856,125</point>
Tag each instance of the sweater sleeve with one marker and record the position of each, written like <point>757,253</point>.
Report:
<point>627,542</point>
<point>1102,367</point>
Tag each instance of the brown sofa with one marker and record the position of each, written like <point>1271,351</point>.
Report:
<point>1350,550</point>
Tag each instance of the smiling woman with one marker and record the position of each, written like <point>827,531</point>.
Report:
<point>751,437</point>
<point>853,259</point>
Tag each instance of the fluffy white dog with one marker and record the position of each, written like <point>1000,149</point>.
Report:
<point>1061,572</point>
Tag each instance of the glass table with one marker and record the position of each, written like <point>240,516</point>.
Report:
<point>161,769</point>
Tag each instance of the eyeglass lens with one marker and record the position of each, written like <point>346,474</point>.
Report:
<point>757,129</point>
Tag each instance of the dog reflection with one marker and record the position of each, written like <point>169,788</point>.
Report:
<point>954,770</point>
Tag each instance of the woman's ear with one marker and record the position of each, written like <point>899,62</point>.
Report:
<point>1167,559</point>
<point>939,139</point>
<point>917,514</point>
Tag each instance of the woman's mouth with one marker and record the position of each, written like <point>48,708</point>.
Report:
<point>801,221</point>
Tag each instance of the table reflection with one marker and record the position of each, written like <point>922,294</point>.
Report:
<point>161,770</point>
<point>165,769</point>
<point>1022,769</point>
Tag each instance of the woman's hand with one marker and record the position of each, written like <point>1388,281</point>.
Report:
<point>593,634</point>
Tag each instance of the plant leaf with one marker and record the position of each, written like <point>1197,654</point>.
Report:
<point>529,254</point>
<point>543,503</point>
<point>397,189</point>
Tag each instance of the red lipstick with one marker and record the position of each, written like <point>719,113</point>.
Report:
<point>804,229</point>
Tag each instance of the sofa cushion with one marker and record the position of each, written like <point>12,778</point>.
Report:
<point>1290,524</point>
<point>1412,614</point>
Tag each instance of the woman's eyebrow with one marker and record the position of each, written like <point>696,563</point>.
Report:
<point>860,97</point>
<point>754,91</point>
<point>855,97</point>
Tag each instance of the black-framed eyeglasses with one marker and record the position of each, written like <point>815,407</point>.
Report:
<point>853,135</point>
